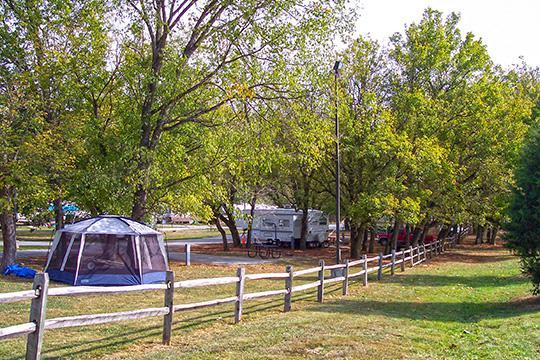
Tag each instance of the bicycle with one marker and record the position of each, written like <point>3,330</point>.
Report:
<point>264,251</point>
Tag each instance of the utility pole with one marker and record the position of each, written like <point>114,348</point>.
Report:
<point>337,67</point>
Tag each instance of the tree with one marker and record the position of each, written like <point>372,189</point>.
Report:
<point>464,120</point>
<point>369,141</point>
<point>180,67</point>
<point>523,230</point>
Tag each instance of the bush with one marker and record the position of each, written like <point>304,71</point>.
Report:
<point>523,230</point>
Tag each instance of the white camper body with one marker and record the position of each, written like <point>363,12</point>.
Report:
<point>285,225</point>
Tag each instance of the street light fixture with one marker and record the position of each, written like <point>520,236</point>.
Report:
<point>337,67</point>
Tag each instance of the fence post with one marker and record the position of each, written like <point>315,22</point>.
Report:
<point>187,250</point>
<point>424,251</point>
<point>346,276</point>
<point>365,267</point>
<point>169,303</point>
<point>379,272</point>
<point>288,288</point>
<point>240,272</point>
<point>402,264</point>
<point>320,288</point>
<point>38,308</point>
<point>411,254</point>
<point>393,266</point>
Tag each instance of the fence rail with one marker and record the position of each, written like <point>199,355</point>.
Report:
<point>38,296</point>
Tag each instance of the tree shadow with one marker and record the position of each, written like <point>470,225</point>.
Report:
<point>461,312</point>
<point>154,332</point>
<point>445,280</point>
<point>469,258</point>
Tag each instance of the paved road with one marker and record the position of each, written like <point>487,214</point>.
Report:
<point>203,241</point>
<point>218,260</point>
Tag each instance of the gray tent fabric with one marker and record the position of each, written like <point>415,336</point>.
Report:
<point>107,250</point>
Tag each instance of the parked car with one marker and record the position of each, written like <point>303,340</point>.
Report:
<point>384,238</point>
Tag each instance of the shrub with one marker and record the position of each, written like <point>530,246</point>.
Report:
<point>523,229</point>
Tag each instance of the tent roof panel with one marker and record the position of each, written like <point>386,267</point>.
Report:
<point>110,225</point>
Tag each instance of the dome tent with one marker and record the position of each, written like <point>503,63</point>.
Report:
<point>107,250</point>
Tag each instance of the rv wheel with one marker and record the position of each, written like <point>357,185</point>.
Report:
<point>325,244</point>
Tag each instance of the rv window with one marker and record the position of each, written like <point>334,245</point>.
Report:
<point>284,223</point>
<point>322,221</point>
<point>268,223</point>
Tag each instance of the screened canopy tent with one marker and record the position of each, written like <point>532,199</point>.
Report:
<point>107,250</point>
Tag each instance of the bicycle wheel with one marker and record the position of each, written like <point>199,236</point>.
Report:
<point>264,253</point>
<point>276,254</point>
<point>252,251</point>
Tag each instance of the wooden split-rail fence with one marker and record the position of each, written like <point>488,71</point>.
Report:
<point>38,323</point>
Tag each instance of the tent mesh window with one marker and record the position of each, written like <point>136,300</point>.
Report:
<point>151,254</point>
<point>71,261</point>
<point>60,251</point>
<point>109,254</point>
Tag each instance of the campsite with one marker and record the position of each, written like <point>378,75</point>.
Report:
<point>255,179</point>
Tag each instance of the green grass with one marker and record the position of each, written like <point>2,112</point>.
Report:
<point>467,305</point>
<point>46,234</point>
<point>191,234</point>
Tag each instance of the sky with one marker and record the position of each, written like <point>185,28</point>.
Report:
<point>509,28</point>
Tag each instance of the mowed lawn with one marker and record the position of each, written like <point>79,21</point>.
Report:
<point>45,234</point>
<point>469,303</point>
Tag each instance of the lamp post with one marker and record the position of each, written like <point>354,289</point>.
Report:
<point>337,67</point>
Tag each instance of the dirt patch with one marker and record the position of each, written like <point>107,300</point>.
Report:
<point>476,254</point>
<point>308,255</point>
<point>530,302</point>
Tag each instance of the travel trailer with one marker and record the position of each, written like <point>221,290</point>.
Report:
<point>283,226</point>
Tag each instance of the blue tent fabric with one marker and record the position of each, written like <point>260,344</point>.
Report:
<point>20,271</point>
<point>107,279</point>
<point>107,251</point>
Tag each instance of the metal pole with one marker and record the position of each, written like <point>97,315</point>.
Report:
<point>338,193</point>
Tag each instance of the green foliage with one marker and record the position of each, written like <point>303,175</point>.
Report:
<point>523,229</point>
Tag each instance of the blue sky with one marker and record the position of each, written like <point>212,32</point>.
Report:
<point>508,28</point>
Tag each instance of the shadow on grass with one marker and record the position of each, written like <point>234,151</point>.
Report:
<point>471,258</point>
<point>445,280</point>
<point>153,333</point>
<point>461,312</point>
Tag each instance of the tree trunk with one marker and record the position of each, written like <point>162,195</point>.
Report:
<point>407,236</point>
<point>479,235</point>
<point>459,234</point>
<point>58,214</point>
<point>223,234</point>
<point>417,234</point>
<point>230,221</point>
<point>424,233</point>
<point>138,211</point>
<point>304,229</point>
<point>372,238</point>
<point>9,236</point>
<point>443,234</point>
<point>365,240</point>
<point>357,233</point>
<point>494,231</point>
<point>393,241</point>
<point>252,203</point>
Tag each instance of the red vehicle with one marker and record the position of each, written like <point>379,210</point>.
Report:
<point>384,238</point>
